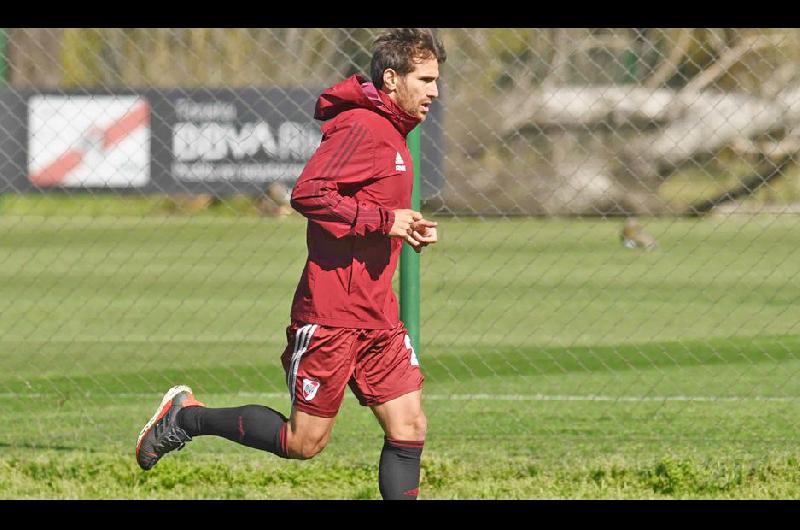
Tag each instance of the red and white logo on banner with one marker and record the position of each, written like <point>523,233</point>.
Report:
<point>91,141</point>
<point>310,387</point>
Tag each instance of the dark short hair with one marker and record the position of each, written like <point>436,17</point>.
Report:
<point>398,49</point>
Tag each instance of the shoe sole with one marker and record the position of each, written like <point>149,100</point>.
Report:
<point>169,396</point>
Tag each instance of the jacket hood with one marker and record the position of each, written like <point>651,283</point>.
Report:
<point>358,92</point>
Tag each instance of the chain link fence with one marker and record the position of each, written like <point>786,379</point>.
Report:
<point>146,239</point>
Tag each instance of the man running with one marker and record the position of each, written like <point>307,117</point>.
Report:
<point>345,329</point>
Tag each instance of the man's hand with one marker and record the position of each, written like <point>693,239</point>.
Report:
<point>402,226</point>
<point>424,232</point>
<point>414,229</point>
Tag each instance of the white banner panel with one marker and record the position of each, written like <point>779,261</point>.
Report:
<point>88,141</point>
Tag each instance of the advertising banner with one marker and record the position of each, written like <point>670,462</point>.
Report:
<point>211,141</point>
<point>237,141</point>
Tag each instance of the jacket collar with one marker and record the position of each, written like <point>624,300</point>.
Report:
<point>358,92</point>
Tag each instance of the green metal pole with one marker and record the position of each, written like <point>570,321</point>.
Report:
<point>630,60</point>
<point>409,260</point>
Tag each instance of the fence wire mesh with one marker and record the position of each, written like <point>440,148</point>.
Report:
<point>550,314</point>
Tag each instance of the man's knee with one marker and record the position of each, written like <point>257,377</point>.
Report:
<point>307,451</point>
<point>402,418</point>
<point>414,427</point>
<point>303,446</point>
<point>419,426</point>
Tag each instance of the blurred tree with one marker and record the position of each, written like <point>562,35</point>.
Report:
<point>34,57</point>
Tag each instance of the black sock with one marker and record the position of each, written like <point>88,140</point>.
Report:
<point>251,425</point>
<point>398,473</point>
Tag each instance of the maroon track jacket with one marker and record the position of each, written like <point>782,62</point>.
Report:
<point>360,173</point>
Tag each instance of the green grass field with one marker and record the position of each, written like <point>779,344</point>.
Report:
<point>558,363</point>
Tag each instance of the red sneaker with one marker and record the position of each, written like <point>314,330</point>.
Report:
<point>162,434</point>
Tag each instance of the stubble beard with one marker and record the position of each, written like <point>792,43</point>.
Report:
<point>406,102</point>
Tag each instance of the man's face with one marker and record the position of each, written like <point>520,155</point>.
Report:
<point>415,91</point>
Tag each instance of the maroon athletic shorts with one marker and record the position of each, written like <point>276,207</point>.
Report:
<point>378,364</point>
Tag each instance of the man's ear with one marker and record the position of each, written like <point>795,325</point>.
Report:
<point>390,80</point>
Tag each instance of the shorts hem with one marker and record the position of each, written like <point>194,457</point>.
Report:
<point>316,412</point>
<point>394,395</point>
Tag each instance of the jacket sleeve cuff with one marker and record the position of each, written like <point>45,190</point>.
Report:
<point>387,217</point>
<point>370,219</point>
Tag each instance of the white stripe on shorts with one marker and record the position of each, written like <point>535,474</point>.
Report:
<point>302,340</point>
<point>299,338</point>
